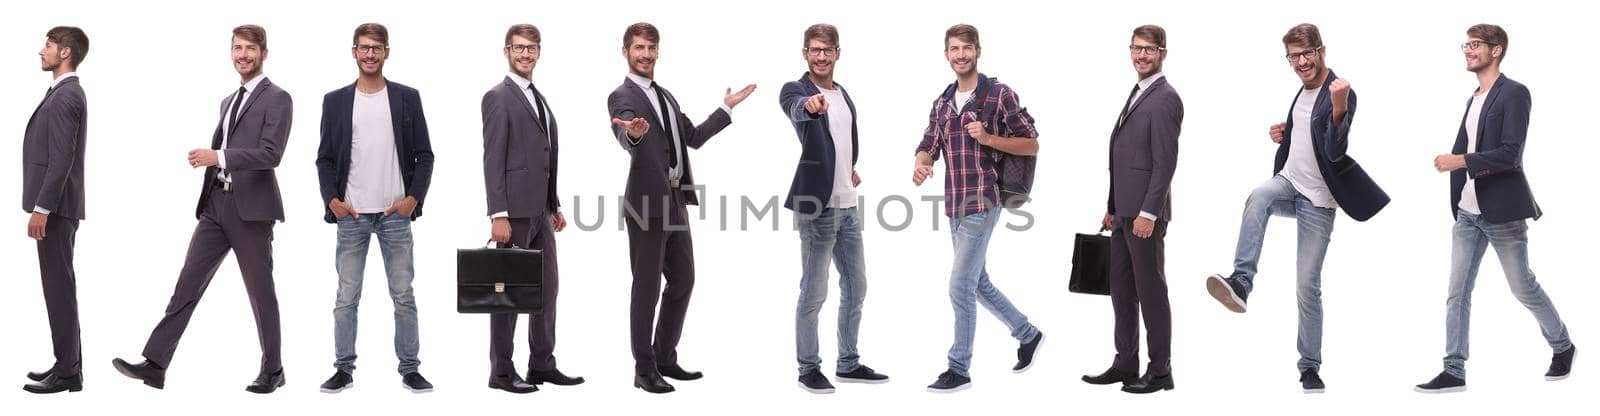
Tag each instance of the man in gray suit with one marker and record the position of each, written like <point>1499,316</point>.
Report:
<point>239,204</point>
<point>52,193</point>
<point>519,174</point>
<point>653,129</point>
<point>1144,155</point>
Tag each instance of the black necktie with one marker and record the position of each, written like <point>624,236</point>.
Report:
<point>543,113</point>
<point>1127,106</point>
<point>666,123</point>
<point>233,114</point>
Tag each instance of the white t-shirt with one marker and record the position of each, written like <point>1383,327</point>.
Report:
<point>1301,169</point>
<point>1469,192</point>
<point>839,122</point>
<point>962,97</point>
<point>374,183</point>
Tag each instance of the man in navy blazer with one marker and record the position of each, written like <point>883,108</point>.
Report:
<point>1491,203</point>
<point>374,164</point>
<point>1313,176</point>
<point>823,198</point>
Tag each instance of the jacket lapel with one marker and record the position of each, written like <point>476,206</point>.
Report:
<point>1489,101</point>
<point>397,114</point>
<point>255,95</point>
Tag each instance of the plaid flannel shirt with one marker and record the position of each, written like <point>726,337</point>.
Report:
<point>969,176</point>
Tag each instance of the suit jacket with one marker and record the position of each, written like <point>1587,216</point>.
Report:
<point>813,178</point>
<point>410,143</point>
<point>519,159</point>
<point>1495,165</point>
<point>1144,154</point>
<point>260,134</point>
<point>1350,185</point>
<point>647,171</point>
<point>52,152</point>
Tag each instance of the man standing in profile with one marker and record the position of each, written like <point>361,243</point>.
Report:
<point>374,164</point>
<point>975,117</point>
<point>1144,155</point>
<point>52,195</point>
<point>823,198</point>
<point>239,205</point>
<point>1491,202</point>
<point>1313,177</point>
<point>651,126</point>
<point>519,175</point>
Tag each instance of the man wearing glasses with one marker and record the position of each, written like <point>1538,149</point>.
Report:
<point>1491,203</point>
<point>1144,156</point>
<point>374,165</point>
<point>974,118</point>
<point>1312,178</point>
<point>823,197</point>
<point>519,174</point>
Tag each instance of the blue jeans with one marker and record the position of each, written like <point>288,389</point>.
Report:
<point>1472,236</point>
<point>1278,197</point>
<point>394,239</point>
<point>969,285</point>
<point>832,236</point>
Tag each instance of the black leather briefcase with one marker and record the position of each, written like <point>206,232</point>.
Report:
<point>499,280</point>
<point>1091,265</point>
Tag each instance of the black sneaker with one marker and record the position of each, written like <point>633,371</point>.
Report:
<point>862,374</point>
<point>1561,365</point>
<point>339,382</point>
<point>813,381</point>
<point>1025,353</point>
<point>1311,383</point>
<point>1229,291</point>
<point>950,382</point>
<point>414,382</point>
<point>1444,383</point>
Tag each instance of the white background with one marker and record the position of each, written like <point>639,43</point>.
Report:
<point>155,73</point>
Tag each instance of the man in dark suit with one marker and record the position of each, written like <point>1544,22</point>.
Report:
<point>651,126</point>
<point>1491,203</point>
<point>519,174</point>
<point>238,207</point>
<point>374,165</point>
<point>52,194</point>
<point>823,198</point>
<point>1144,155</point>
<point>1313,176</point>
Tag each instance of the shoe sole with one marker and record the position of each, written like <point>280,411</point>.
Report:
<point>817,391</point>
<point>336,391</point>
<point>1033,360</point>
<point>417,391</point>
<point>1223,292</point>
<point>843,379</point>
<point>1314,391</point>
<point>1456,389</point>
<point>654,392</point>
<point>950,390</point>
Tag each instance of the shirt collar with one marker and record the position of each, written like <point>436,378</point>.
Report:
<point>63,77</point>
<point>521,82</point>
<point>1144,84</point>
<point>250,86</point>
<point>643,82</point>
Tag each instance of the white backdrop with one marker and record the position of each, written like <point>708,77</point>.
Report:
<point>155,73</point>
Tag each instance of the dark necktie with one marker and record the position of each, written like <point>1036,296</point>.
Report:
<point>1127,106</point>
<point>543,113</point>
<point>666,123</point>
<point>233,114</point>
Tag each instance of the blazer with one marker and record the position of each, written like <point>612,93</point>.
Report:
<point>519,158</point>
<point>813,177</point>
<point>1495,165</point>
<point>648,185</point>
<point>410,143</point>
<point>1144,154</point>
<point>1350,185</point>
<point>52,152</point>
<point>260,134</point>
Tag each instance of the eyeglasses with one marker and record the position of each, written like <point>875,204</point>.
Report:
<point>1145,50</point>
<point>828,52</point>
<point>373,49</point>
<point>1473,45</point>
<point>519,48</point>
<point>1307,54</point>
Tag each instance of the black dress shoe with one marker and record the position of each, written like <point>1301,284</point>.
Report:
<point>39,376</point>
<point>1150,384</point>
<point>652,382</point>
<point>1112,376</point>
<point>53,384</point>
<point>553,376</point>
<point>511,383</point>
<point>151,374</point>
<point>673,371</point>
<point>266,383</point>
